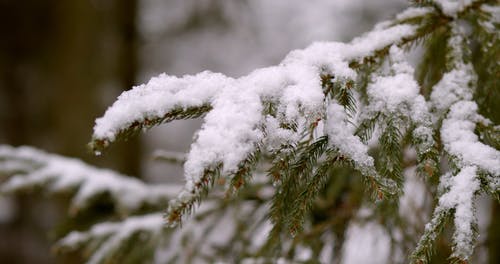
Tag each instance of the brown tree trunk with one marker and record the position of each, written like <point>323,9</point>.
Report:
<point>61,64</point>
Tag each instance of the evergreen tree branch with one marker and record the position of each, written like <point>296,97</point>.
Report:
<point>98,144</point>
<point>424,250</point>
<point>105,241</point>
<point>56,174</point>
<point>315,111</point>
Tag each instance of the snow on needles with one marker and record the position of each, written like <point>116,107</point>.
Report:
<point>452,7</point>
<point>455,85</point>
<point>341,135</point>
<point>454,93</point>
<point>461,197</point>
<point>469,157</point>
<point>398,94</point>
<point>236,124</point>
<point>287,83</point>
<point>113,234</point>
<point>156,98</point>
<point>459,139</point>
<point>64,174</point>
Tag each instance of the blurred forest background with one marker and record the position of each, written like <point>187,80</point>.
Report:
<point>63,62</point>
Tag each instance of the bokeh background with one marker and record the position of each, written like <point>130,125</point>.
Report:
<point>62,62</point>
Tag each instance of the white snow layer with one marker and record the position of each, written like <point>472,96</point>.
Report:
<point>156,98</point>
<point>217,230</point>
<point>452,7</point>
<point>459,139</point>
<point>235,126</point>
<point>398,94</point>
<point>454,86</point>
<point>114,233</point>
<point>461,197</point>
<point>63,174</point>
<point>413,12</point>
<point>341,135</point>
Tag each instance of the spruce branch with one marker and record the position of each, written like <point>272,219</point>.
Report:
<point>284,120</point>
<point>458,138</point>
<point>290,187</point>
<point>391,153</point>
<point>98,144</point>
<point>424,250</point>
<point>169,156</point>
<point>314,185</point>
<point>485,56</point>
<point>222,94</point>
<point>366,127</point>
<point>354,106</point>
<point>186,200</point>
<point>104,242</point>
<point>56,174</point>
<point>243,174</point>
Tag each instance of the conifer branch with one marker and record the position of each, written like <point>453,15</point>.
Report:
<point>353,105</point>
<point>28,168</point>
<point>99,144</point>
<point>186,200</point>
<point>314,185</point>
<point>298,173</point>
<point>424,250</point>
<point>391,153</point>
<point>284,120</point>
<point>104,242</point>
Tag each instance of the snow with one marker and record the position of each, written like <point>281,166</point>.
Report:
<point>113,233</point>
<point>413,12</point>
<point>230,132</point>
<point>299,71</point>
<point>379,38</point>
<point>494,10</point>
<point>461,197</point>
<point>389,94</point>
<point>236,124</point>
<point>453,7</point>
<point>425,135</point>
<point>455,85</point>
<point>63,174</point>
<point>156,98</point>
<point>459,139</point>
<point>341,135</point>
<point>398,94</point>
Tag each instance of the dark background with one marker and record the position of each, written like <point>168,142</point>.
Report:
<point>61,64</point>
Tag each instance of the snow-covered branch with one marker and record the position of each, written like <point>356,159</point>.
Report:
<point>275,104</point>
<point>324,121</point>
<point>108,238</point>
<point>28,168</point>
